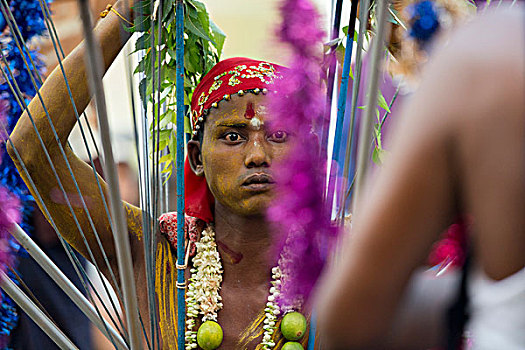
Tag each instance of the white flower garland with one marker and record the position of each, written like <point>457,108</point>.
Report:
<point>203,296</point>
<point>272,310</point>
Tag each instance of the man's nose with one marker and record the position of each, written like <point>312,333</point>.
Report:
<point>258,153</point>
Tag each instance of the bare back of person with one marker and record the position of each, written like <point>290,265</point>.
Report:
<point>489,131</point>
<point>459,150</point>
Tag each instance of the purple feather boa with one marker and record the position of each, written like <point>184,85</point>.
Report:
<point>300,220</point>
<point>9,207</point>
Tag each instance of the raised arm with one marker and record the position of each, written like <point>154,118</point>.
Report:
<point>55,99</point>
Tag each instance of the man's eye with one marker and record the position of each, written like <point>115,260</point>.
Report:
<point>232,137</point>
<point>278,136</point>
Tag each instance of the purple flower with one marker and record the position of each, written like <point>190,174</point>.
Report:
<point>9,205</point>
<point>9,214</point>
<point>301,221</point>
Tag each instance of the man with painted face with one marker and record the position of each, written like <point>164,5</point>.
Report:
<point>229,185</point>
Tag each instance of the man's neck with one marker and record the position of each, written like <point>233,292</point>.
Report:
<point>243,243</point>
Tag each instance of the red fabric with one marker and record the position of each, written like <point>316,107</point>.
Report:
<point>225,78</point>
<point>192,229</point>
<point>451,248</point>
<point>198,197</point>
<point>228,77</point>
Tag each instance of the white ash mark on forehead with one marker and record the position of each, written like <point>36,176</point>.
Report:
<point>261,110</point>
<point>256,123</point>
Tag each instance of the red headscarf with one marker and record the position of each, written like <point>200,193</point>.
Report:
<point>231,76</point>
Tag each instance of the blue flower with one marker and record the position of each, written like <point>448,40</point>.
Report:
<point>30,20</point>
<point>424,20</point>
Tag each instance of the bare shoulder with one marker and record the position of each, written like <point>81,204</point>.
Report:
<point>493,47</point>
<point>478,69</point>
<point>493,36</point>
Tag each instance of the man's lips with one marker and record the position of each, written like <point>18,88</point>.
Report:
<point>258,181</point>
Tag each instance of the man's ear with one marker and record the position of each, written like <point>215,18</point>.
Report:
<point>195,158</point>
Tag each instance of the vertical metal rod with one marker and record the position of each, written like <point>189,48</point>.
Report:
<point>356,84</point>
<point>365,131</point>
<point>313,331</point>
<point>341,102</point>
<point>331,77</point>
<point>181,283</point>
<point>65,284</point>
<point>120,231</point>
<point>158,177</point>
<point>35,313</point>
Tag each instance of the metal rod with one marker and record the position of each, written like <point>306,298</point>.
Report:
<point>16,90</point>
<point>181,305</point>
<point>341,102</point>
<point>65,284</point>
<point>356,84</point>
<point>37,315</point>
<point>331,76</point>
<point>21,101</point>
<point>150,264</point>
<point>365,131</point>
<point>60,55</point>
<point>313,331</point>
<point>79,269</point>
<point>120,231</point>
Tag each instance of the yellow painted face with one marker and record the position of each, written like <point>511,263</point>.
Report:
<point>239,149</point>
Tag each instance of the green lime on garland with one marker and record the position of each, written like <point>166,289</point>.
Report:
<point>293,326</point>
<point>292,345</point>
<point>209,335</point>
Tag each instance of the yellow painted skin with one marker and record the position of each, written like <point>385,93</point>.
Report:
<point>165,280</point>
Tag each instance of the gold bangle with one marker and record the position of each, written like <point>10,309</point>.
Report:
<point>109,8</point>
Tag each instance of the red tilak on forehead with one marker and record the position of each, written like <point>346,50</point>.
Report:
<point>250,112</point>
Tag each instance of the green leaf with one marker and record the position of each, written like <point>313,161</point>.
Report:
<point>187,125</point>
<point>198,5</point>
<point>378,156</point>
<point>340,53</point>
<point>391,18</point>
<point>377,130</point>
<point>204,43</point>
<point>219,37</point>
<point>143,42</point>
<point>334,42</point>
<point>172,146</point>
<point>167,170</point>
<point>167,10</point>
<point>193,28</point>
<point>165,158</point>
<point>204,20</point>
<point>382,102</point>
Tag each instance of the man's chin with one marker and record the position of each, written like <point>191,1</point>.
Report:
<point>256,205</point>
